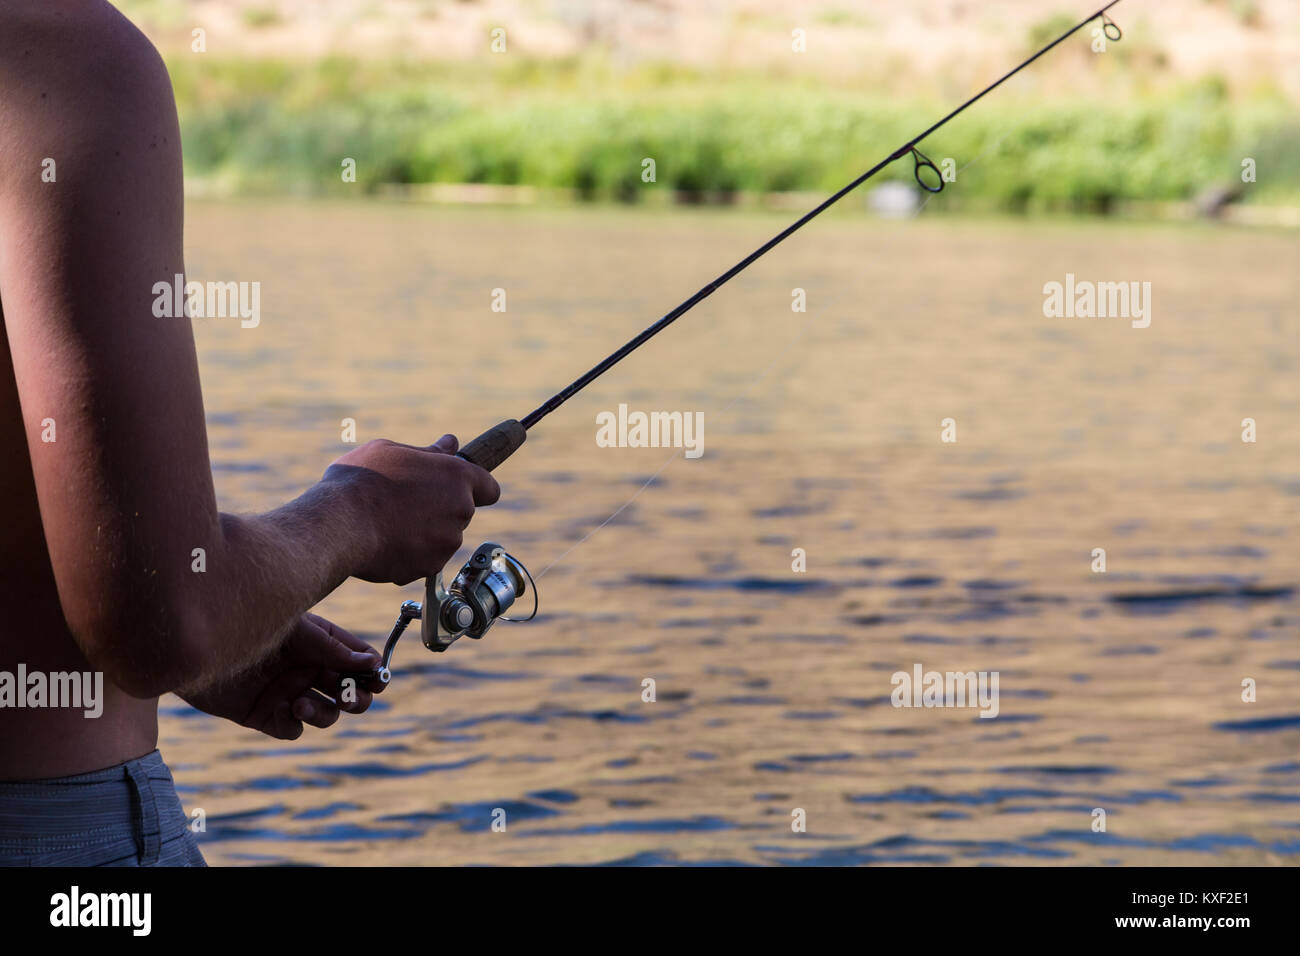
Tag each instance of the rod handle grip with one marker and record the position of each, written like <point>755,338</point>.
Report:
<point>495,445</point>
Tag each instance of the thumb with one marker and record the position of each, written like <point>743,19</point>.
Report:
<point>447,443</point>
<point>337,649</point>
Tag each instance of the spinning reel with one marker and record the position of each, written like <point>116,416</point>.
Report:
<point>479,595</point>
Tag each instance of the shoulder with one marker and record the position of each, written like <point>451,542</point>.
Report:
<point>79,85</point>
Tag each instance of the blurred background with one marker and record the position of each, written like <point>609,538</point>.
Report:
<point>577,85</point>
<point>521,169</point>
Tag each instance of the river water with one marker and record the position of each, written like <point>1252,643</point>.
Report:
<point>1119,691</point>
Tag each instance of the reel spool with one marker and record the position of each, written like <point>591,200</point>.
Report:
<point>479,595</point>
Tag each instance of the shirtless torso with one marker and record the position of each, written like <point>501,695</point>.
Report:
<point>48,742</point>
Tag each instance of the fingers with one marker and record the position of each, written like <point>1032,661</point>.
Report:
<point>273,714</point>
<point>304,696</point>
<point>354,697</point>
<point>335,652</point>
<point>446,445</point>
<point>288,715</point>
<point>419,501</point>
<point>484,486</point>
<point>344,655</point>
<point>345,651</point>
<point>360,693</point>
<point>281,724</point>
<point>364,694</point>
<point>316,709</point>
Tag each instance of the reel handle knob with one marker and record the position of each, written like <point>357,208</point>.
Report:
<point>495,445</point>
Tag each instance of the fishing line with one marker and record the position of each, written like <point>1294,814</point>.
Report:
<point>968,164</point>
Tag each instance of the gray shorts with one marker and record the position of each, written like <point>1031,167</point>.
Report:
<point>128,815</point>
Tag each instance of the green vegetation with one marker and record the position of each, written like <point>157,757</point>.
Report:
<point>263,126</point>
<point>257,17</point>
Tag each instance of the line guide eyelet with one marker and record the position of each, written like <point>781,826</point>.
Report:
<point>1107,25</point>
<point>922,162</point>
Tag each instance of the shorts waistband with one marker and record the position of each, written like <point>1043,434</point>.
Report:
<point>132,803</point>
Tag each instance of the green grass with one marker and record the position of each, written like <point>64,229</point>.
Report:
<point>278,127</point>
<point>258,17</point>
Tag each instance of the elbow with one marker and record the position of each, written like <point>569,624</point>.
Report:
<point>145,652</point>
<point>155,678</point>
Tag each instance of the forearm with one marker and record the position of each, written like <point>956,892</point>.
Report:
<point>267,571</point>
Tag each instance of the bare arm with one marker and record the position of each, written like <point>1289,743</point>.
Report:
<point>126,491</point>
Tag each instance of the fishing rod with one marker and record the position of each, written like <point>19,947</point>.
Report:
<point>492,580</point>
